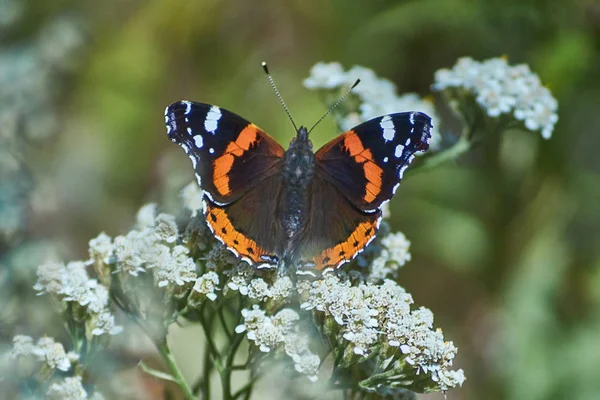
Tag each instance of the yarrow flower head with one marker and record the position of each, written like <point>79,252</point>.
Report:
<point>70,388</point>
<point>52,354</point>
<point>393,255</point>
<point>376,96</point>
<point>71,284</point>
<point>372,320</point>
<point>280,333</point>
<point>500,89</point>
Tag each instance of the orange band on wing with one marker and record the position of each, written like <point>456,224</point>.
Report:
<point>373,173</point>
<point>345,251</point>
<point>223,229</point>
<point>222,166</point>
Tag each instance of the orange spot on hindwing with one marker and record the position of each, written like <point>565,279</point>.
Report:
<point>223,229</point>
<point>346,250</point>
<point>373,173</point>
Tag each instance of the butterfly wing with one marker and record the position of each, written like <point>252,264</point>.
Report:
<point>367,162</point>
<point>336,231</point>
<point>247,226</point>
<point>229,154</point>
<point>235,163</point>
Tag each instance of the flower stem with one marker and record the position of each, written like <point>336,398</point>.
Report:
<point>166,354</point>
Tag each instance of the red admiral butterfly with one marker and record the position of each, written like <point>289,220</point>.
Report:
<point>272,206</point>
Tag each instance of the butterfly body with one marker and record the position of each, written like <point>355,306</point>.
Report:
<point>278,208</point>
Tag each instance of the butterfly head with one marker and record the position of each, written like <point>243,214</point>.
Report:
<point>302,135</point>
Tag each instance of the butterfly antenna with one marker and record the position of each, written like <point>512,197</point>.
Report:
<point>287,111</point>
<point>337,103</point>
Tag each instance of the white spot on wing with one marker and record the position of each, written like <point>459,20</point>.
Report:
<point>211,150</point>
<point>388,128</point>
<point>194,161</point>
<point>411,118</point>
<point>198,141</point>
<point>403,168</point>
<point>189,131</point>
<point>385,159</point>
<point>185,147</point>
<point>212,119</point>
<point>398,151</point>
<point>188,107</point>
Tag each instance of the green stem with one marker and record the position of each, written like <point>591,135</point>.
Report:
<point>165,352</point>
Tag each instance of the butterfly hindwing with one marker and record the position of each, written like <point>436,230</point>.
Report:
<point>247,226</point>
<point>336,231</point>
<point>229,154</point>
<point>367,162</point>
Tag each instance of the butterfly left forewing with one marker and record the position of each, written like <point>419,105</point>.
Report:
<point>229,154</point>
<point>367,162</point>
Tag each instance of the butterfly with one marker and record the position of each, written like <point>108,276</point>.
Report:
<point>273,207</point>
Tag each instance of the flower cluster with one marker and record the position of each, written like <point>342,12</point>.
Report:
<point>376,96</point>
<point>70,388</point>
<point>150,248</point>
<point>394,254</point>
<point>71,284</point>
<point>280,333</point>
<point>41,360</point>
<point>376,320</point>
<point>46,351</point>
<point>500,88</point>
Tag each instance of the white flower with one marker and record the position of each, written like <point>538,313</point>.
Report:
<point>267,332</point>
<point>68,389</point>
<point>243,279</point>
<point>173,266</point>
<point>133,250</point>
<point>370,314</point>
<point>325,76</point>
<point>52,353</point>
<point>308,364</point>
<point>258,289</point>
<point>192,197</point>
<point>50,276</point>
<point>166,228</point>
<point>46,350</point>
<point>101,248</point>
<point>22,346</point>
<point>71,283</point>
<point>103,323</point>
<point>395,254</point>
<point>503,89</point>
<point>146,216</point>
<point>397,246</point>
<point>207,284</point>
<point>281,289</point>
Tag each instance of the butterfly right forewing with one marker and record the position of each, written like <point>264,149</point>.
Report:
<point>367,162</point>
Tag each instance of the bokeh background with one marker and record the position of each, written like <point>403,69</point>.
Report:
<point>505,241</point>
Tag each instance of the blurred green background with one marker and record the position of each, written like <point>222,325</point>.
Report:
<point>505,241</point>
